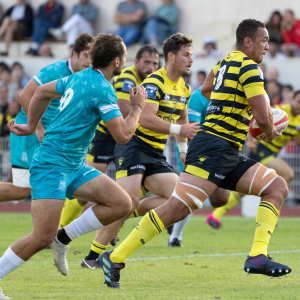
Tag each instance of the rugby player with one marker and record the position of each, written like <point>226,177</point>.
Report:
<point>236,91</point>
<point>266,153</point>
<point>58,169</point>
<point>197,108</point>
<point>23,147</point>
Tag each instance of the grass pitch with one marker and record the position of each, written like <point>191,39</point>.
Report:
<point>210,266</point>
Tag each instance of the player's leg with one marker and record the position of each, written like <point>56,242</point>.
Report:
<point>260,181</point>
<point>214,218</point>
<point>190,192</point>
<point>282,169</point>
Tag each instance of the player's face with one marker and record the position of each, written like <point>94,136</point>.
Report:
<point>183,60</point>
<point>147,64</point>
<point>295,104</point>
<point>260,45</point>
<point>122,61</point>
<point>82,61</point>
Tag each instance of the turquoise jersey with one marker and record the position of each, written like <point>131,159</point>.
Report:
<point>52,72</point>
<point>196,109</point>
<point>87,99</point>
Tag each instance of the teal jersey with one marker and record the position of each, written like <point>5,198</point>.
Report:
<point>197,107</point>
<point>87,99</point>
<point>52,72</point>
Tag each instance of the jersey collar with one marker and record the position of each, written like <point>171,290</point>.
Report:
<point>99,71</point>
<point>70,66</point>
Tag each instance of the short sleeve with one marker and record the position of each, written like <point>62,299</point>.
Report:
<point>122,85</point>
<point>107,106</point>
<point>47,74</point>
<point>61,85</point>
<point>252,80</point>
<point>154,92</point>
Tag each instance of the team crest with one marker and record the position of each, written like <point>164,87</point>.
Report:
<point>202,158</point>
<point>121,159</point>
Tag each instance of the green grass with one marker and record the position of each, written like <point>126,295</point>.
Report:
<point>157,272</point>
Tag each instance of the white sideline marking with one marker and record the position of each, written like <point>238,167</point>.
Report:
<point>174,257</point>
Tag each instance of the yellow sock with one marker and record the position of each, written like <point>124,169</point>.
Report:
<point>97,247</point>
<point>135,214</point>
<point>70,211</point>
<point>233,200</point>
<point>149,227</point>
<point>266,220</point>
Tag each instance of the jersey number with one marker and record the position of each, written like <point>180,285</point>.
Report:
<point>220,77</point>
<point>65,100</point>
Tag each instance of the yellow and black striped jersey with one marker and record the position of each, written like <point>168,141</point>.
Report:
<point>237,78</point>
<point>172,98</point>
<point>128,78</point>
<point>292,131</point>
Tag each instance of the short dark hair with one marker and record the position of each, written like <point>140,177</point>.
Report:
<point>202,73</point>
<point>296,94</point>
<point>3,66</point>
<point>247,28</point>
<point>146,48</point>
<point>82,42</point>
<point>174,43</point>
<point>288,87</point>
<point>104,48</point>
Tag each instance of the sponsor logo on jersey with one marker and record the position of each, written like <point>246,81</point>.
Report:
<point>24,156</point>
<point>219,176</point>
<point>167,97</point>
<point>120,161</point>
<point>249,110</point>
<point>175,88</point>
<point>138,167</point>
<point>202,158</point>
<point>151,90</point>
<point>213,109</point>
<point>182,99</point>
<point>127,85</point>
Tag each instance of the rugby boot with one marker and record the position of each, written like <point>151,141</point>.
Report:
<point>114,241</point>
<point>60,261</point>
<point>90,264</point>
<point>174,243</point>
<point>264,265</point>
<point>213,222</point>
<point>111,270</point>
<point>2,295</point>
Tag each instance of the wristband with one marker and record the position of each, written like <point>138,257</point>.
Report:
<point>182,147</point>
<point>175,128</point>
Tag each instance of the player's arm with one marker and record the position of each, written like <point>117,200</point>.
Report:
<point>37,107</point>
<point>25,97</point>
<point>122,129</point>
<point>208,85</point>
<point>151,121</point>
<point>182,141</point>
<point>125,107</point>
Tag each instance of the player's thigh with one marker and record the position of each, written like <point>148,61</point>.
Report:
<point>282,168</point>
<point>219,197</point>
<point>98,166</point>
<point>161,184</point>
<point>46,216</point>
<point>103,190</point>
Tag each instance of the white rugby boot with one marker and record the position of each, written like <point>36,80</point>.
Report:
<point>2,295</point>
<point>60,261</point>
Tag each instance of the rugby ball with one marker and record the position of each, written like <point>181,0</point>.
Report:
<point>280,120</point>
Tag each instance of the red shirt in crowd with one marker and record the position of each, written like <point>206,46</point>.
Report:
<point>292,36</point>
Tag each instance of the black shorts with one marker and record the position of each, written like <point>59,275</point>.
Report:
<point>102,148</point>
<point>262,155</point>
<point>137,157</point>
<point>217,160</point>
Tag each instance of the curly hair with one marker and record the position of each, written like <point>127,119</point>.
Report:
<point>247,28</point>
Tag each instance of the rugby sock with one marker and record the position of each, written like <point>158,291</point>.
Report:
<point>70,212</point>
<point>178,228</point>
<point>233,200</point>
<point>266,220</point>
<point>86,223</point>
<point>149,227</point>
<point>9,262</point>
<point>95,251</point>
<point>135,214</point>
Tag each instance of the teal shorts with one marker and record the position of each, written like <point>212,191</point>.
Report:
<point>22,150</point>
<point>50,181</point>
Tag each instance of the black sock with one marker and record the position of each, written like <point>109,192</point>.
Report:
<point>63,237</point>
<point>92,255</point>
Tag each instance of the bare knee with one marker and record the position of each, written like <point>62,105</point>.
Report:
<point>125,208</point>
<point>289,176</point>
<point>44,240</point>
<point>278,190</point>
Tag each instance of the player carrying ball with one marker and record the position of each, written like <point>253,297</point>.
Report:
<point>236,91</point>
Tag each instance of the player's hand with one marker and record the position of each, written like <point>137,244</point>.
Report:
<point>138,96</point>
<point>40,132</point>
<point>270,137</point>
<point>183,158</point>
<point>251,145</point>
<point>19,129</point>
<point>189,130</point>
